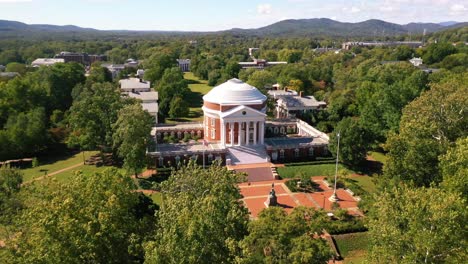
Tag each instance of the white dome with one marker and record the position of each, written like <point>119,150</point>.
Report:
<point>235,91</point>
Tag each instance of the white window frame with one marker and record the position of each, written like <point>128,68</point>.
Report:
<point>213,133</point>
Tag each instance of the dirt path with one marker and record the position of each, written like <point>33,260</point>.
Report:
<point>53,173</point>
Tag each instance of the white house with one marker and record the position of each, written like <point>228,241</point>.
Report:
<point>133,85</point>
<point>149,102</point>
<point>46,62</point>
<point>416,61</point>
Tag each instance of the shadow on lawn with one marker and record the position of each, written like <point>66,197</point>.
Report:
<point>369,167</point>
<point>194,99</point>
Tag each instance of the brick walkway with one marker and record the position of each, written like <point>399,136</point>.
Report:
<point>256,193</point>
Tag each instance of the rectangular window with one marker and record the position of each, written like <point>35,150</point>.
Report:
<point>213,134</point>
<point>212,122</point>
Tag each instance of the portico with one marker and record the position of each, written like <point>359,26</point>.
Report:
<point>234,114</point>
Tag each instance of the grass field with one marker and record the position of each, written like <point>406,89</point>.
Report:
<point>198,88</point>
<point>310,170</point>
<point>55,164</point>
<point>365,182</point>
<point>378,156</point>
<point>157,199</point>
<point>352,247</point>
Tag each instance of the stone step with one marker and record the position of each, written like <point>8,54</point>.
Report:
<point>247,155</point>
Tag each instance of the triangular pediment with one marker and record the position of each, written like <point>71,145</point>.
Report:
<point>242,111</point>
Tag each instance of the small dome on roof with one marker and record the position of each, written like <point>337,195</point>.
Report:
<point>235,91</point>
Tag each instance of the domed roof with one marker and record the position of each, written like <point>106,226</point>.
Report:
<point>235,91</point>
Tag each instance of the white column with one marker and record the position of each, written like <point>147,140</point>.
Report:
<point>223,133</point>
<point>239,129</point>
<point>247,133</point>
<point>232,133</point>
<point>255,132</point>
<point>262,132</point>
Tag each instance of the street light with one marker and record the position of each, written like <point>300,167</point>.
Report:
<point>334,198</point>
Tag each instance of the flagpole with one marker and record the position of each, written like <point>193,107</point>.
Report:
<point>334,198</point>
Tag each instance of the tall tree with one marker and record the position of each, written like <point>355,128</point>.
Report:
<point>429,125</point>
<point>92,115</point>
<point>354,141</point>
<point>454,167</point>
<point>277,237</point>
<point>422,225</point>
<point>172,85</point>
<point>201,219</point>
<point>131,136</point>
<point>93,218</point>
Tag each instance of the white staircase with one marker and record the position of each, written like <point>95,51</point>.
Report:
<point>247,155</point>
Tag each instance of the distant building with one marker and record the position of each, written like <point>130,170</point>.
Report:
<point>46,62</point>
<point>140,73</point>
<point>349,45</point>
<point>416,61</point>
<point>114,69</point>
<point>134,85</point>
<point>184,64</point>
<point>82,58</point>
<point>258,63</point>
<point>131,63</point>
<point>149,102</point>
<point>8,75</point>
<point>290,103</point>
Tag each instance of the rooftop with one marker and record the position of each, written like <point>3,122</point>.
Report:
<point>235,92</point>
<point>46,61</point>
<point>300,103</point>
<point>144,96</point>
<point>134,83</point>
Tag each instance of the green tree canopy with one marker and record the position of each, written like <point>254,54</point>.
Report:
<point>131,135</point>
<point>429,125</point>
<point>277,237</point>
<point>92,115</point>
<point>93,218</point>
<point>354,141</point>
<point>201,219</point>
<point>422,225</point>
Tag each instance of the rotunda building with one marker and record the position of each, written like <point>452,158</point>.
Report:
<point>234,114</point>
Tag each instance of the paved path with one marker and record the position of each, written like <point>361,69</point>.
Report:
<point>53,173</point>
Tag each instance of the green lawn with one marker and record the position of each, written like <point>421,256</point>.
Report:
<point>55,164</point>
<point>310,170</point>
<point>378,156</point>
<point>85,169</point>
<point>157,198</point>
<point>196,85</point>
<point>366,183</point>
<point>198,88</point>
<point>352,247</point>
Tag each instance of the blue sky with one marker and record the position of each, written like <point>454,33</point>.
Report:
<point>209,15</point>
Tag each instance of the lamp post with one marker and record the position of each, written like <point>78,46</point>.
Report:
<point>334,198</point>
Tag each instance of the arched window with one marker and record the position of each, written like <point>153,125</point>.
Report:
<point>296,153</point>
<point>161,161</point>
<point>281,155</point>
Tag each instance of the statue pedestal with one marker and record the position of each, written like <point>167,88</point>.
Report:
<point>272,200</point>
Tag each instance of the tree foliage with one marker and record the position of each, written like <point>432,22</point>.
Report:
<point>201,219</point>
<point>277,237</point>
<point>131,136</point>
<point>429,125</point>
<point>94,218</point>
<point>422,225</point>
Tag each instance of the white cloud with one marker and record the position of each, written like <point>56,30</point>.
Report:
<point>458,8</point>
<point>355,9</point>
<point>264,9</point>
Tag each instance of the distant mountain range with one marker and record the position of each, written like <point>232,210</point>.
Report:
<point>291,27</point>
